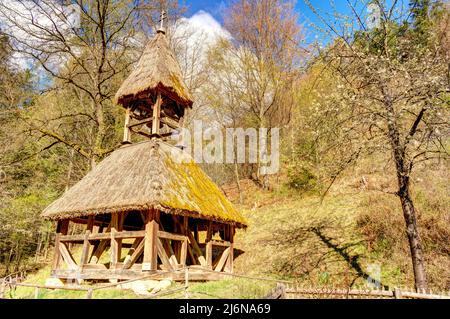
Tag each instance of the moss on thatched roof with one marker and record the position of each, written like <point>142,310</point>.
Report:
<point>156,70</point>
<point>146,175</point>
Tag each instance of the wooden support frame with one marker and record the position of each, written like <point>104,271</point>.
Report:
<point>158,249</point>
<point>62,228</point>
<point>136,251</point>
<point>222,260</point>
<point>195,249</point>
<point>126,129</point>
<point>98,251</point>
<point>156,115</point>
<point>114,248</point>
<point>150,242</point>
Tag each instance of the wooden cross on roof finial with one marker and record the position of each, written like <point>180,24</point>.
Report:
<point>161,20</point>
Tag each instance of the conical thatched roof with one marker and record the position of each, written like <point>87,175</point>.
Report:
<point>145,175</point>
<point>157,69</point>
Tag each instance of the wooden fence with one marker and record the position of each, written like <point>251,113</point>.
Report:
<point>291,291</point>
<point>9,283</point>
<point>282,290</point>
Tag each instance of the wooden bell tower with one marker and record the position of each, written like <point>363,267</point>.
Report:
<point>154,95</point>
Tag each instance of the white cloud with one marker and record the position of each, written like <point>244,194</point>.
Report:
<point>32,25</point>
<point>204,22</point>
<point>198,33</point>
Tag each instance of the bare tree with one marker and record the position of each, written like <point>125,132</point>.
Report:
<point>85,48</point>
<point>390,94</point>
<point>262,59</point>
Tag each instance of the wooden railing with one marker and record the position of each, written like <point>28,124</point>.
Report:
<point>165,252</point>
<point>297,292</point>
<point>224,260</point>
<point>283,289</point>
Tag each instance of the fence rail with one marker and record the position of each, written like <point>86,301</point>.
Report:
<point>283,289</point>
<point>297,292</point>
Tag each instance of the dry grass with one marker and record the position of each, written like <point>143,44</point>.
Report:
<point>356,227</point>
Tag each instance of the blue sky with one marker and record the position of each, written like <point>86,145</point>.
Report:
<point>306,16</point>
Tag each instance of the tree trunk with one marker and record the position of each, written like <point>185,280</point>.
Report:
<point>403,178</point>
<point>415,245</point>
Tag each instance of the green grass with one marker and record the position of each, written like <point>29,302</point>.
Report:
<point>234,288</point>
<point>39,279</point>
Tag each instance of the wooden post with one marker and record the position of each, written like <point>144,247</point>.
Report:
<point>120,220</point>
<point>62,228</point>
<point>183,255</point>
<point>196,232</point>
<point>57,254</point>
<point>126,129</point>
<point>229,265</point>
<point>86,245</point>
<point>100,248</point>
<point>230,261</point>
<point>114,244</point>
<point>175,243</point>
<point>90,223</point>
<point>156,115</point>
<point>85,252</point>
<point>150,243</point>
<point>208,248</point>
<point>209,232</point>
<point>209,254</point>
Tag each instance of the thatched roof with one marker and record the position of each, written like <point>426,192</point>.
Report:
<point>156,70</point>
<point>145,175</point>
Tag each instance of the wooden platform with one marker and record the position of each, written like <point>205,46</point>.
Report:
<point>96,274</point>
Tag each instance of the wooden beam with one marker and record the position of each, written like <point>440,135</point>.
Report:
<point>176,244</point>
<point>163,256</point>
<point>209,254</point>
<point>183,254</point>
<point>146,121</point>
<point>57,254</point>
<point>120,220</point>
<point>230,261</point>
<point>85,250</point>
<point>209,231</point>
<point>196,232</point>
<point>98,251</point>
<point>67,256</point>
<point>166,235</point>
<point>114,249</point>
<point>86,245</point>
<point>62,227</point>
<point>156,115</point>
<point>102,274</point>
<point>136,251</point>
<point>222,260</point>
<point>150,243</point>
<point>126,129</point>
<point>194,245</point>
<point>124,235</point>
<point>170,122</point>
<point>90,223</point>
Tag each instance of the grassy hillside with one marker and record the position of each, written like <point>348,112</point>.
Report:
<point>352,233</point>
